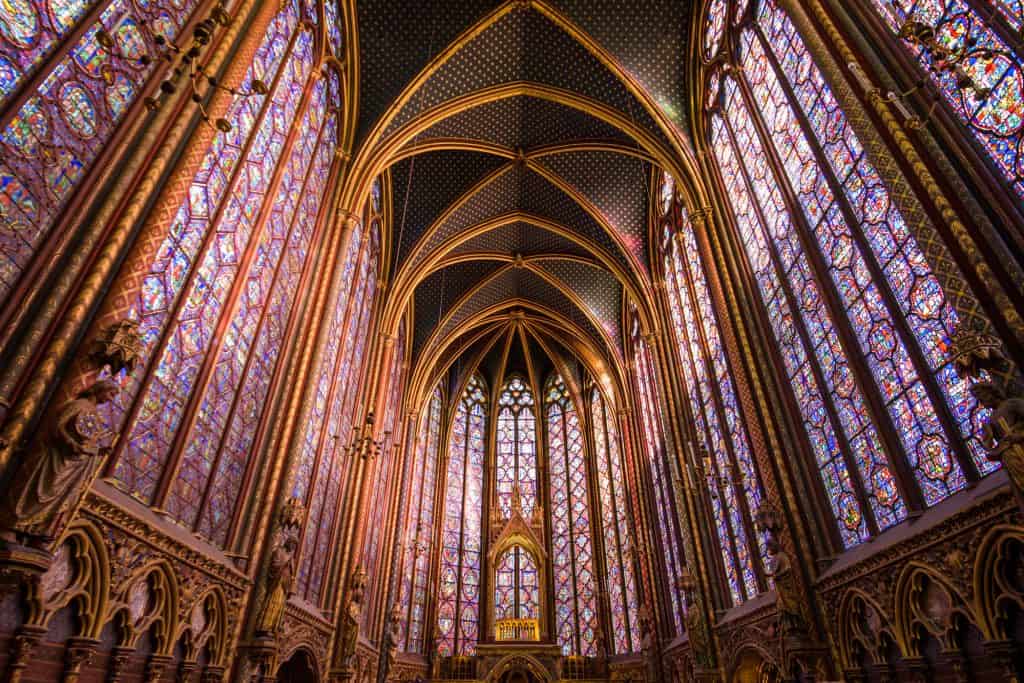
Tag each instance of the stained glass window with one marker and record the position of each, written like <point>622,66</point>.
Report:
<point>419,527</point>
<point>330,464</point>
<point>714,24</point>
<point>383,467</point>
<point>734,489</point>
<point>516,458</point>
<point>193,251</point>
<point>576,619</point>
<point>855,293</point>
<point>79,97</point>
<point>458,611</point>
<point>661,474</point>
<point>516,585</point>
<point>620,580</point>
<point>985,38</point>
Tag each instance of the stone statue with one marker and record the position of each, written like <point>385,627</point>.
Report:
<point>788,599</point>
<point>351,616</point>
<point>696,629</point>
<point>435,660</point>
<point>47,481</point>
<point>280,575</point>
<point>392,637</point>
<point>277,586</point>
<point>648,645</point>
<point>1003,433</point>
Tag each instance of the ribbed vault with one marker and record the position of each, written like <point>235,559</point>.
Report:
<point>519,144</point>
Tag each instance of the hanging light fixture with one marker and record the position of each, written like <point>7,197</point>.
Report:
<point>184,64</point>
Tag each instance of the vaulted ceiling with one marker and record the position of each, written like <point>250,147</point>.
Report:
<point>521,141</point>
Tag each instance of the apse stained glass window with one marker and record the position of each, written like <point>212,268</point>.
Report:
<point>516,585</point>
<point>572,553</point>
<point>77,99</point>
<point>458,611</point>
<point>733,488</point>
<point>516,460</point>
<point>419,537</point>
<point>986,91</point>
<point>661,475</point>
<point>855,293</point>
<point>620,579</point>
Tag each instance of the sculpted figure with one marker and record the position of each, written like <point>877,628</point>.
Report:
<point>350,618</point>
<point>1003,433</point>
<point>788,600</point>
<point>46,484</point>
<point>280,575</point>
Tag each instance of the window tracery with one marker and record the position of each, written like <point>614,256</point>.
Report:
<point>516,585</point>
<point>980,41</point>
<point>461,534</point>
<point>861,322</point>
<point>620,579</point>
<point>732,479</point>
<point>419,531</point>
<point>576,616</point>
<point>49,145</point>
<point>516,457</point>
<point>672,559</point>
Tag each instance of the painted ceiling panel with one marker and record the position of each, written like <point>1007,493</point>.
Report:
<point>438,179</point>
<point>524,123</point>
<point>647,39</point>
<point>397,39</point>
<point>442,288</point>
<point>598,289</point>
<point>616,184</point>
<point>520,238</point>
<point>524,45</point>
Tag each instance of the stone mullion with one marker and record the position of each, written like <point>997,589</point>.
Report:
<point>729,285</point>
<point>681,519</point>
<point>436,541</point>
<point>965,169</point>
<point>138,263</point>
<point>324,445</point>
<point>138,131</point>
<point>114,223</point>
<point>642,524</point>
<point>327,236</point>
<point>969,308</point>
<point>813,363</point>
<point>408,510</point>
<point>692,521</point>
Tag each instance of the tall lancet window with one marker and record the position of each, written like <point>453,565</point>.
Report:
<point>620,582</point>
<point>576,618</point>
<point>458,610</point>
<point>75,96</point>
<point>734,489</point>
<point>215,295</point>
<point>323,465</point>
<point>861,323</point>
<point>384,482</point>
<point>987,91</point>
<point>419,526</point>
<point>661,474</point>
<point>516,460</point>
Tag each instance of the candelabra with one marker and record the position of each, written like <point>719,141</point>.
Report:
<point>363,444</point>
<point>184,63</point>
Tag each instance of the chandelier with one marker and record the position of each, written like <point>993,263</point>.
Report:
<point>183,64</point>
